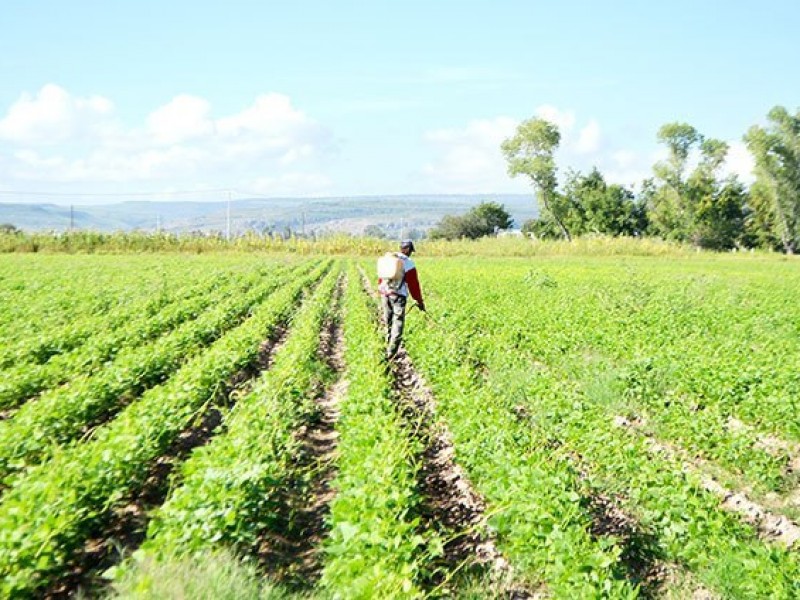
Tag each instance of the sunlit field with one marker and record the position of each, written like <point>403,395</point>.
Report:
<point>607,418</point>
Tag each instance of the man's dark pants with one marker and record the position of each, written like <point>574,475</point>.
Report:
<point>394,314</point>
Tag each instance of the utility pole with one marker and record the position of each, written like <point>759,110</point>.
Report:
<point>228,227</point>
<point>303,228</point>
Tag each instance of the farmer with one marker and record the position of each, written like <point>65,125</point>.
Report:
<point>395,296</point>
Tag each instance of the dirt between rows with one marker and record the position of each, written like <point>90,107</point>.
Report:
<point>450,504</point>
<point>123,529</point>
<point>294,555</point>
<point>643,562</point>
<point>641,558</point>
<point>771,527</point>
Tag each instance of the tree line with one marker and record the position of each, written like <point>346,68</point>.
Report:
<point>688,199</point>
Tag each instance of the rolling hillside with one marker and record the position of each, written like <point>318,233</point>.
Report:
<point>392,214</point>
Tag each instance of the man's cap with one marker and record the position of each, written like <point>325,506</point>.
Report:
<point>408,244</point>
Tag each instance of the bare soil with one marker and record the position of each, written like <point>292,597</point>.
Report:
<point>771,444</point>
<point>771,527</point>
<point>450,505</point>
<point>641,558</point>
<point>779,448</point>
<point>294,555</point>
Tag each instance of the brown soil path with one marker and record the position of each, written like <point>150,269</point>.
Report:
<point>773,528</point>
<point>295,555</point>
<point>450,506</point>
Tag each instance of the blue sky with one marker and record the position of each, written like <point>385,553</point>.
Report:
<point>353,98</point>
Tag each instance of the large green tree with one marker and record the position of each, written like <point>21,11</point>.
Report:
<point>670,210</point>
<point>598,207</point>
<point>776,193</point>
<point>695,205</point>
<point>530,152</point>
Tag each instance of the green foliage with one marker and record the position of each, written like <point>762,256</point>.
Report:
<point>532,491</point>
<point>46,515</point>
<point>596,207</point>
<point>81,283</point>
<point>776,201</point>
<point>530,152</point>
<point>216,507</point>
<point>680,347</point>
<point>721,216</point>
<point>374,549</point>
<point>218,575</point>
<point>679,138</point>
<point>494,215</point>
<point>483,220</point>
<point>589,205</point>
<point>61,414</point>
<point>89,242</point>
<point>375,231</point>
<point>24,380</point>
<point>532,366</point>
<point>698,206</point>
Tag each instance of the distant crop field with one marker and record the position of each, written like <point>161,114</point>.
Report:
<point>557,426</point>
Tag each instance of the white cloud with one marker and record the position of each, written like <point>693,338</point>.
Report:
<point>564,119</point>
<point>57,137</point>
<point>53,116</point>
<point>183,118</point>
<point>482,132</point>
<point>623,158</point>
<point>588,138</point>
<point>631,168</point>
<point>270,115</point>
<point>740,162</point>
<point>470,160</point>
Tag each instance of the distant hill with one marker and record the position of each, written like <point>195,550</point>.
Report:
<point>393,215</point>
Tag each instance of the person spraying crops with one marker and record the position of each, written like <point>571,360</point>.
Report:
<point>397,278</point>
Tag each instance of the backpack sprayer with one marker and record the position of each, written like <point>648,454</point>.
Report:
<point>391,270</point>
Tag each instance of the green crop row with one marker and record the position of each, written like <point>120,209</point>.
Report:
<point>67,337</point>
<point>232,490</point>
<point>42,294</point>
<point>688,524</point>
<point>49,512</point>
<point>549,339</point>
<point>533,496</point>
<point>685,346</point>
<point>23,381</point>
<point>61,414</point>
<point>373,550</point>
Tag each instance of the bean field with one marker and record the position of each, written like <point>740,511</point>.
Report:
<point>555,427</point>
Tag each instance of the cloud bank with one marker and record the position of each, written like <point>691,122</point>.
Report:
<point>271,147</point>
<point>54,136</point>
